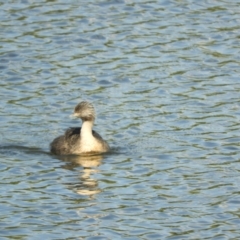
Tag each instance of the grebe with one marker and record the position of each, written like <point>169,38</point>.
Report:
<point>83,139</point>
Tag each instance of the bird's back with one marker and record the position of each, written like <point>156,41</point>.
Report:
<point>64,144</point>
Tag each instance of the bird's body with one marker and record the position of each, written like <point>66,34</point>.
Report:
<point>80,140</point>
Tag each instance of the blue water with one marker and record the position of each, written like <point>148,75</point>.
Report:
<point>164,79</point>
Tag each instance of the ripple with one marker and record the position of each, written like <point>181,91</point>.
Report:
<point>164,78</point>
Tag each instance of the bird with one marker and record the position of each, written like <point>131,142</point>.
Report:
<point>80,140</point>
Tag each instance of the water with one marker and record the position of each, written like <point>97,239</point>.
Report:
<point>164,78</point>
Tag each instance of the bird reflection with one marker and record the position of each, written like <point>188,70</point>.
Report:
<point>87,185</point>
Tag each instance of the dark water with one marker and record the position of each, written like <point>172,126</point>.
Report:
<point>164,78</point>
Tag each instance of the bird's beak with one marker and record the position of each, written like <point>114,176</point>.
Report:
<point>73,116</point>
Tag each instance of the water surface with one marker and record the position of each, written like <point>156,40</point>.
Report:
<point>164,79</point>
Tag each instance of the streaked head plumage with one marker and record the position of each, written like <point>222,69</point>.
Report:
<point>85,111</point>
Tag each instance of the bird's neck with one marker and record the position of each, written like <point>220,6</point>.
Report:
<point>86,130</point>
<point>88,143</point>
